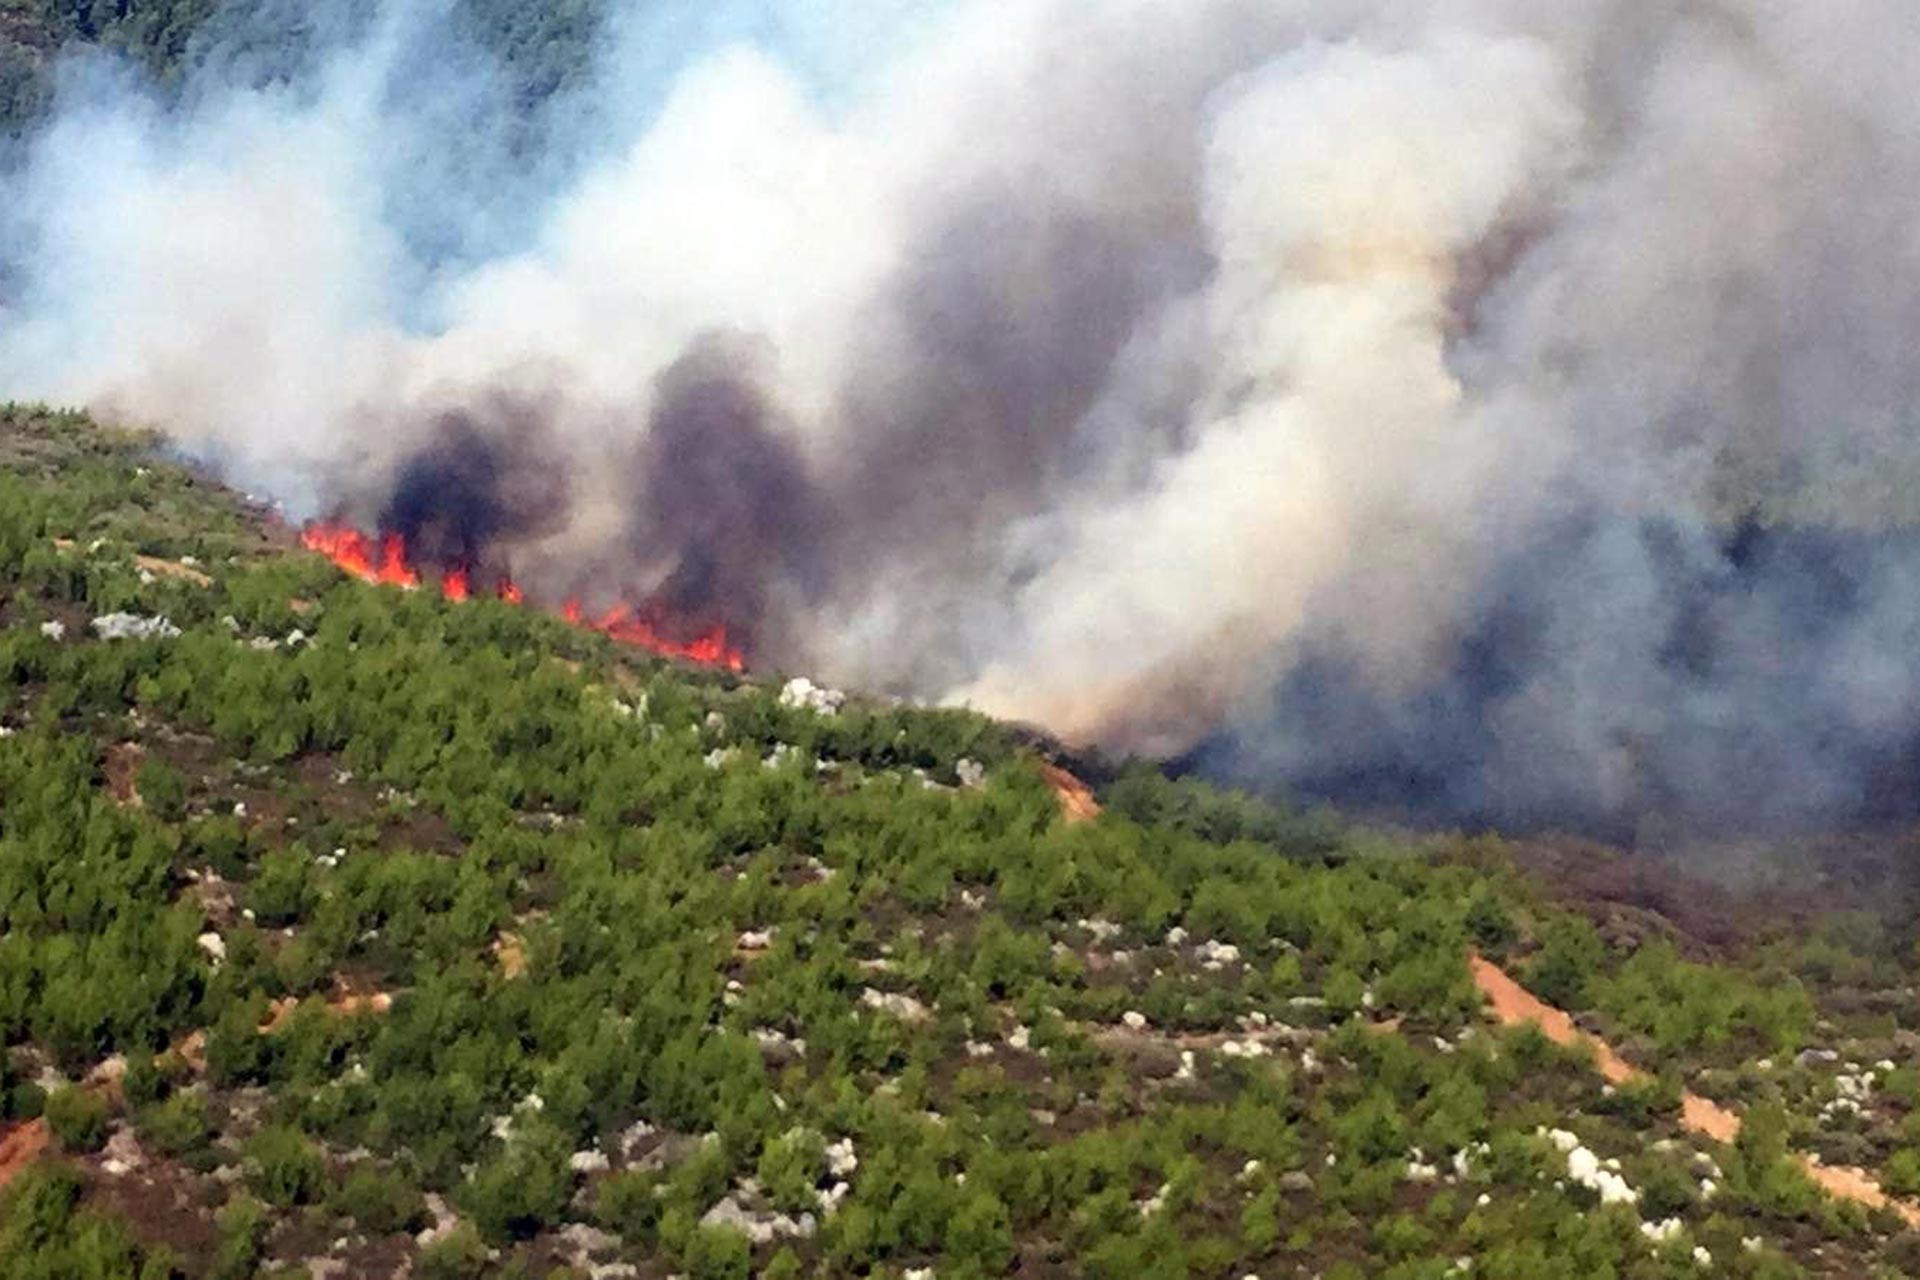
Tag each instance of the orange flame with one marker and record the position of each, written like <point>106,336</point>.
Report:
<point>386,563</point>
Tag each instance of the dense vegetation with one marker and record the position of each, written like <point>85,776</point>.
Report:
<point>541,49</point>
<point>343,927</point>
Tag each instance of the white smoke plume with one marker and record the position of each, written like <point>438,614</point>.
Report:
<point>1475,406</point>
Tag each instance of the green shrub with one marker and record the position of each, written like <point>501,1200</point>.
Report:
<point>980,1232</point>
<point>78,1118</point>
<point>1570,955</point>
<point>461,1255</point>
<point>45,1235</point>
<point>718,1253</point>
<point>162,789</point>
<point>785,1265</point>
<point>20,1098</point>
<point>241,1234</point>
<point>1903,1172</point>
<point>177,1126</point>
<point>143,1081</point>
<point>524,1186</point>
<point>628,1205</point>
<point>281,890</point>
<point>283,1168</point>
<point>379,1201</point>
<point>791,1168</point>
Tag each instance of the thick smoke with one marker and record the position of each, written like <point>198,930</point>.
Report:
<point>1478,408</point>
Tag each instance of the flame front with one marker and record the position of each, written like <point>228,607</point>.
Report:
<point>384,561</point>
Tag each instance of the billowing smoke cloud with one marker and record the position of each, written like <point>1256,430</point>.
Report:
<point>1474,407</point>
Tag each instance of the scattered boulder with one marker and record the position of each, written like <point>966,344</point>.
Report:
<point>759,1227</point>
<point>903,1007</point>
<point>129,626</point>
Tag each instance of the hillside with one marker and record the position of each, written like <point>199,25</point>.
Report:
<point>349,930</point>
<point>540,49</point>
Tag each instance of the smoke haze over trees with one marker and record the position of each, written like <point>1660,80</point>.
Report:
<point>1465,406</point>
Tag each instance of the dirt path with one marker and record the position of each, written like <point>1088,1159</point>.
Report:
<point>1513,1004</point>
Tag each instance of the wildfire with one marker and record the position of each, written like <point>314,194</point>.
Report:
<point>384,560</point>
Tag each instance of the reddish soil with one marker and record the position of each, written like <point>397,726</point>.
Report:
<point>20,1146</point>
<point>1513,1004</point>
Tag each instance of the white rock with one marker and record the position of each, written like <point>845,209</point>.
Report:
<point>214,945</point>
<point>1219,953</point>
<point>841,1159</point>
<point>903,1007</point>
<point>589,1162</point>
<point>760,1228</point>
<point>54,629</point>
<point>445,1221</point>
<point>128,626</point>
<point>581,1240</point>
<point>1134,1021</point>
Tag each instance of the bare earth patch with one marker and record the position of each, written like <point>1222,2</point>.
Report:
<point>20,1147</point>
<point>122,768</point>
<point>1513,1004</point>
<point>154,565</point>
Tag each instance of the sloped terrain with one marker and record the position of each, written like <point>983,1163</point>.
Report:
<point>351,932</point>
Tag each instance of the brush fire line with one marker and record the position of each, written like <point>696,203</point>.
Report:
<point>384,561</point>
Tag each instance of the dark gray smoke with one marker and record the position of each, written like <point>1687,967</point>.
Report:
<point>723,501</point>
<point>475,483</point>
<point>1468,408</point>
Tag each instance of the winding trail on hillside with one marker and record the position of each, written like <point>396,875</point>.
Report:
<point>1512,1004</point>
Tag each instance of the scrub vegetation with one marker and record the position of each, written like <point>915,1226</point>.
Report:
<point>344,927</point>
